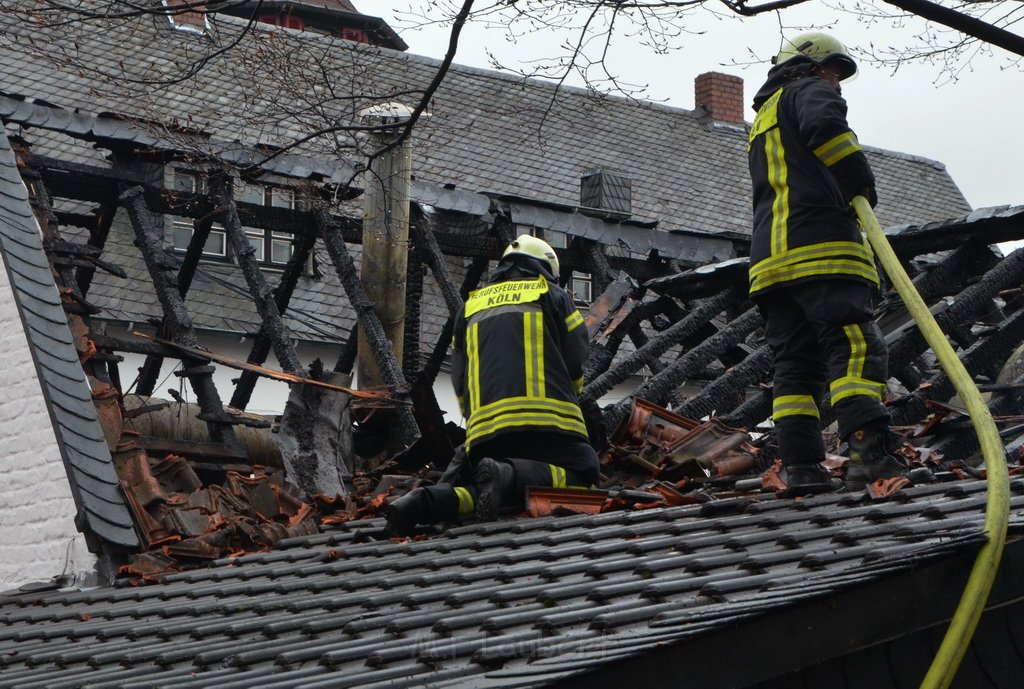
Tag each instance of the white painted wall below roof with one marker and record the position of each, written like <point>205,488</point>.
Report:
<point>38,538</point>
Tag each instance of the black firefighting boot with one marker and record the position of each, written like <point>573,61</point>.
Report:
<point>807,479</point>
<point>497,490</point>
<point>427,505</point>
<point>870,458</point>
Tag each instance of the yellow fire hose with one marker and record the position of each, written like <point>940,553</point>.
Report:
<point>979,583</point>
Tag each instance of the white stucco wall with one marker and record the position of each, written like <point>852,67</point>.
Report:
<point>38,538</point>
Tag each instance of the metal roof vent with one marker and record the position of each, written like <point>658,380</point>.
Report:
<point>606,194</point>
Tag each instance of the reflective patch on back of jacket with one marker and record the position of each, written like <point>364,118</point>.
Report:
<point>506,294</point>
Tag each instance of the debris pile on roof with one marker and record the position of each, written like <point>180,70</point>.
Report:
<point>185,524</point>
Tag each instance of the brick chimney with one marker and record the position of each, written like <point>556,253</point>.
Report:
<point>722,96</point>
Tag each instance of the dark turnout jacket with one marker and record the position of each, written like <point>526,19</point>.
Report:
<point>518,352</point>
<point>805,165</point>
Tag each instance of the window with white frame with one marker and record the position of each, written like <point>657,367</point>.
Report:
<point>272,249</point>
<point>581,287</point>
<point>216,242</point>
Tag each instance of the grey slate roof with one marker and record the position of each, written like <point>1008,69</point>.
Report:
<point>539,602</point>
<point>488,132</point>
<point>83,446</point>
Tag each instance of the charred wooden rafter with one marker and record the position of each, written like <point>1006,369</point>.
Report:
<point>658,388</point>
<point>302,246</point>
<point>259,289</point>
<point>423,235</point>
<point>996,346</point>
<point>383,354</point>
<point>413,299</point>
<point>103,218</point>
<point>149,372</point>
<point>163,273</point>
<point>701,312</point>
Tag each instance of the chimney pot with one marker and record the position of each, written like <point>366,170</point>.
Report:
<point>721,95</point>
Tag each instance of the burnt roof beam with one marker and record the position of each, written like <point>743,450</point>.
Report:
<point>658,388</point>
<point>103,219</point>
<point>985,356</point>
<point>423,233</point>
<point>701,313</point>
<point>149,372</point>
<point>968,305</point>
<point>302,247</point>
<point>370,324</point>
<point>164,275</point>
<point>259,289</point>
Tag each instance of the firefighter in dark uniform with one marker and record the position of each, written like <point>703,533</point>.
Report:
<point>812,272</point>
<point>517,367</point>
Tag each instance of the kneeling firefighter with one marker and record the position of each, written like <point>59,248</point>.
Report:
<point>517,368</point>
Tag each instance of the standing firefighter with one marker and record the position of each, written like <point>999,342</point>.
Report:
<point>812,272</point>
<point>517,368</point>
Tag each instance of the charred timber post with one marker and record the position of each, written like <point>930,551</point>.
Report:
<point>259,289</point>
<point>301,248</point>
<point>347,357</point>
<point>701,314</point>
<point>597,263</point>
<point>386,188</point>
<point>408,431</point>
<point>163,272</point>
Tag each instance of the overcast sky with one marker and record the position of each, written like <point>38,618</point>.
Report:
<point>971,125</point>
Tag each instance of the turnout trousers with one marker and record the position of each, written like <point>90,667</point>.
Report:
<point>823,336</point>
<point>551,460</point>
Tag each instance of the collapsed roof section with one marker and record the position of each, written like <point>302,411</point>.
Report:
<point>683,309</point>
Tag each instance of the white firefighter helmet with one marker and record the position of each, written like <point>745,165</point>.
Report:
<point>821,49</point>
<point>528,245</point>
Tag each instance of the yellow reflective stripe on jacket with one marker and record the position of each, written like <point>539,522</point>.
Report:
<point>509,404</point>
<point>524,411</point>
<point>814,252</point>
<point>473,367</point>
<point>849,386</point>
<point>557,476</point>
<point>578,385</point>
<point>794,405</point>
<point>533,346</point>
<point>506,293</point>
<point>520,420</point>
<point>778,178</point>
<point>831,152</point>
<point>858,351</point>
<point>573,321</point>
<point>815,269</point>
<point>466,503</point>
